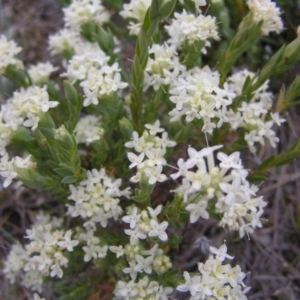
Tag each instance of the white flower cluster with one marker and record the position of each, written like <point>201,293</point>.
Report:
<point>80,12</point>
<point>96,198</point>
<point>143,262</point>
<point>9,169</point>
<point>253,116</point>
<point>162,66</point>
<point>197,95</point>
<point>98,78</point>
<point>13,269</point>
<point>135,10</point>
<point>186,27</point>
<point>152,148</point>
<point>26,107</point>
<point>143,289</point>
<point>89,64</point>
<point>216,280</point>
<point>85,58</point>
<point>41,72</point>
<point>88,129</point>
<point>64,40</point>
<point>37,297</point>
<point>100,82</point>
<point>14,262</point>
<point>47,249</point>
<point>8,51</point>
<point>225,186</point>
<point>92,248</point>
<point>43,256</point>
<point>145,223</point>
<point>69,39</point>
<point>269,13</point>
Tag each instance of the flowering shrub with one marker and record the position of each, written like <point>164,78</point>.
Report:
<point>104,141</point>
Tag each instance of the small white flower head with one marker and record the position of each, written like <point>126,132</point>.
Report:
<point>99,82</point>
<point>221,253</point>
<point>159,230</point>
<point>152,148</point>
<point>41,72</point>
<point>65,40</point>
<point>135,10</point>
<point>37,297</point>
<point>80,12</point>
<point>269,13</point>
<point>197,95</point>
<point>199,3</point>
<point>14,262</point>
<point>216,280</point>
<point>8,51</point>
<point>186,27</point>
<point>224,182</point>
<point>24,163</point>
<point>7,170</point>
<point>88,129</point>
<point>118,250</point>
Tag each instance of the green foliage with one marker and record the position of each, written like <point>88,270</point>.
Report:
<point>275,161</point>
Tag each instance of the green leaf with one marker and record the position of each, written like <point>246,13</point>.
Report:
<point>142,49</point>
<point>63,172</point>
<point>46,121</point>
<point>154,9</point>
<point>89,31</point>
<point>18,76</point>
<point>65,2</point>
<point>170,278</point>
<point>126,128</point>
<point>70,93</point>
<point>22,134</point>
<point>166,10</point>
<point>260,174</point>
<point>69,179</point>
<point>258,177</point>
<point>48,133</point>
<point>292,93</point>
<point>106,41</point>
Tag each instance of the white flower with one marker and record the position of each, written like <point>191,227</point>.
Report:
<point>191,284</point>
<point>154,128</point>
<point>37,297</point>
<point>266,11</point>
<point>8,51</point>
<point>88,129</point>
<point>276,118</point>
<point>132,218</point>
<point>155,175</point>
<point>188,27</point>
<point>135,235</point>
<point>155,157</point>
<point>41,72</point>
<point>159,230</point>
<point>7,170</point>
<point>197,210</point>
<point>135,10</point>
<point>231,161</point>
<point>155,212</point>
<point>80,12</point>
<point>143,264</point>
<point>32,121</point>
<point>67,243</point>
<point>136,161</point>
<point>118,250</point>
<point>220,253</point>
<point>64,40</point>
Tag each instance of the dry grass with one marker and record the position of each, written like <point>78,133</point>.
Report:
<point>271,255</point>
